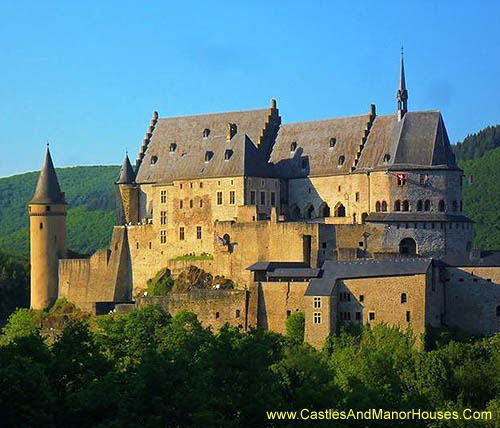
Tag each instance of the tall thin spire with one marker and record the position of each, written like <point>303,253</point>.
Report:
<point>47,189</point>
<point>402,95</point>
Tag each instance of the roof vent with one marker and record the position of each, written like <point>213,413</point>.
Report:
<point>333,141</point>
<point>341,160</point>
<point>173,147</point>
<point>228,153</point>
<point>154,159</point>
<point>206,132</point>
<point>387,157</point>
<point>208,156</point>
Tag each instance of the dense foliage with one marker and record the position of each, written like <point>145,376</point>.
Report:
<point>482,198</point>
<point>148,369</point>
<point>476,145</point>
<point>90,193</point>
<point>14,285</point>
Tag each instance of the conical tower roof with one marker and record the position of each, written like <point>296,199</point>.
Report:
<point>127,175</point>
<point>47,189</point>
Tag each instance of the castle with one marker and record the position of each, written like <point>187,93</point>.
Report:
<point>353,219</point>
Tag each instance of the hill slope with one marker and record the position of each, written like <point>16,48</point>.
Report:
<point>482,198</point>
<point>476,145</point>
<point>90,193</point>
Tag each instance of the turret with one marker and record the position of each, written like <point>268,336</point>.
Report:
<point>129,194</point>
<point>47,211</point>
<point>402,95</point>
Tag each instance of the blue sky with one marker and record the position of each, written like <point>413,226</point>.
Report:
<point>87,75</point>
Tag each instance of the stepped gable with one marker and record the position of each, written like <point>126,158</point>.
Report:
<point>313,140</point>
<point>47,189</point>
<point>193,147</point>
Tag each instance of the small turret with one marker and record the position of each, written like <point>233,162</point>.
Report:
<point>47,211</point>
<point>128,210</point>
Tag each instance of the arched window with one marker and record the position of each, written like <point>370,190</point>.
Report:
<point>420,205</point>
<point>377,206</point>
<point>227,239</point>
<point>363,217</point>
<point>340,210</point>
<point>310,212</point>
<point>173,146</point>
<point>387,157</point>
<point>206,132</point>
<point>397,205</point>
<point>333,141</point>
<point>408,247</point>
<point>441,206</point>
<point>227,154</point>
<point>455,206</point>
<point>341,160</point>
<point>237,313</point>
<point>405,206</point>
<point>403,297</point>
<point>208,156</point>
<point>427,205</point>
<point>293,146</point>
<point>324,210</point>
<point>384,206</point>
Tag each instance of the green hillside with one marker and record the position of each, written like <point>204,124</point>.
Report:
<point>91,196</point>
<point>482,198</point>
<point>476,145</point>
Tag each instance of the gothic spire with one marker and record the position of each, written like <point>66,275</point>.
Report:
<point>127,175</point>
<point>402,95</point>
<point>47,189</point>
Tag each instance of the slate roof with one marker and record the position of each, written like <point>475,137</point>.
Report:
<point>188,159</point>
<point>418,216</point>
<point>127,175</point>
<point>334,270</point>
<point>476,258</point>
<point>47,189</point>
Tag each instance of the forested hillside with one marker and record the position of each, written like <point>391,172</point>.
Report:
<point>90,193</point>
<point>482,198</point>
<point>476,145</point>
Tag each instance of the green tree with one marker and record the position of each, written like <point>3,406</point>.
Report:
<point>295,327</point>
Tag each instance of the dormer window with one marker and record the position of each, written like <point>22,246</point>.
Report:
<point>341,160</point>
<point>227,154</point>
<point>387,157</point>
<point>173,147</point>
<point>293,146</point>
<point>333,141</point>
<point>206,132</point>
<point>208,156</point>
<point>154,159</point>
<point>231,130</point>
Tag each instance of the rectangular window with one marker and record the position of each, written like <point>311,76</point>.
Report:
<point>402,179</point>
<point>317,302</point>
<point>198,232</point>
<point>357,196</point>
<point>252,197</point>
<point>180,204</point>
<point>181,233</point>
<point>163,217</point>
<point>201,203</point>
<point>358,316</point>
<point>273,199</point>
<point>163,236</point>
<point>219,198</point>
<point>361,298</point>
<point>317,317</point>
<point>232,197</point>
<point>163,196</point>
<point>263,198</point>
<point>407,316</point>
<point>371,316</point>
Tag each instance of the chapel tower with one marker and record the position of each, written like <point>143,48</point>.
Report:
<point>402,95</point>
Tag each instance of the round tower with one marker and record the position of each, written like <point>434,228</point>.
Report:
<point>47,211</point>
<point>129,195</point>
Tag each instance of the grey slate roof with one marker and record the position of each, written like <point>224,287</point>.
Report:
<point>476,258</point>
<point>334,270</point>
<point>127,175</point>
<point>47,189</point>
<point>188,160</point>
<point>271,266</point>
<point>419,216</point>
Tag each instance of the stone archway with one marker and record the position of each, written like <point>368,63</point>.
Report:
<point>339,210</point>
<point>408,247</point>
